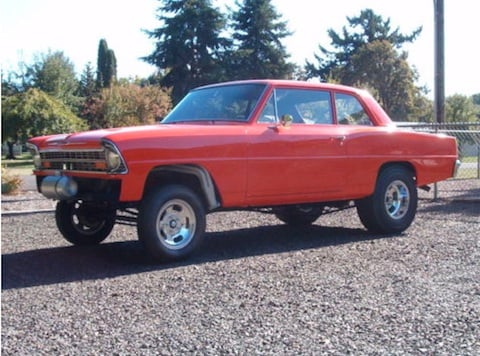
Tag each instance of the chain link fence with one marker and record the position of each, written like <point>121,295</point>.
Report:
<point>466,185</point>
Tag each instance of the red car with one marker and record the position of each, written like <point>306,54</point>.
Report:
<point>292,148</point>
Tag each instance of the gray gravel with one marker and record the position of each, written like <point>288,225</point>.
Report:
<point>255,287</point>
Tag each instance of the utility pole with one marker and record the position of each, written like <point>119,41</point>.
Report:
<point>439,61</point>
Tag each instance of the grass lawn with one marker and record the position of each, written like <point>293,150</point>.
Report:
<point>22,165</point>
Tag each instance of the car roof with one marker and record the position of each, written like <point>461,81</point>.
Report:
<point>289,83</point>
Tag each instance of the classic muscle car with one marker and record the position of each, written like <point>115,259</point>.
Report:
<point>291,148</point>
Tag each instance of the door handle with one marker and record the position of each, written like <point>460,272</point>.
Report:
<point>340,139</point>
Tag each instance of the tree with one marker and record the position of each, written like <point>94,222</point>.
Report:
<point>55,75</point>
<point>259,52</point>
<point>366,28</point>
<point>188,45</point>
<point>35,113</point>
<point>460,108</point>
<point>127,104</point>
<point>88,85</point>
<point>106,65</point>
<point>367,55</point>
<point>387,74</point>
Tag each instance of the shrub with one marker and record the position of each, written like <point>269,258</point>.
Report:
<point>10,182</point>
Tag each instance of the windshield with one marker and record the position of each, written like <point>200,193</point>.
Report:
<point>233,102</point>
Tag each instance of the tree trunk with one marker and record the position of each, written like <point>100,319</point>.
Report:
<point>10,154</point>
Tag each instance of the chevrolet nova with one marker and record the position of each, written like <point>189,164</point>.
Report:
<point>294,149</point>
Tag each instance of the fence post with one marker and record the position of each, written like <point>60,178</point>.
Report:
<point>478,161</point>
<point>435,185</point>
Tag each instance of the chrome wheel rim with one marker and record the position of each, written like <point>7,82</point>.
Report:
<point>176,224</point>
<point>397,200</point>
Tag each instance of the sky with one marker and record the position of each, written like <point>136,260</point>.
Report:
<point>29,28</point>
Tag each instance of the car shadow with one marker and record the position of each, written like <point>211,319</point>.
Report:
<point>107,260</point>
<point>454,207</point>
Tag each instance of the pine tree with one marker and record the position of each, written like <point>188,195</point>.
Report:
<point>106,66</point>
<point>363,29</point>
<point>367,54</point>
<point>88,85</point>
<point>189,45</point>
<point>259,52</point>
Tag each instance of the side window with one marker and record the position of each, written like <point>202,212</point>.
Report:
<point>268,113</point>
<point>350,111</point>
<point>304,105</point>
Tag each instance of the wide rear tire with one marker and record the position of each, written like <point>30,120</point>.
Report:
<point>393,205</point>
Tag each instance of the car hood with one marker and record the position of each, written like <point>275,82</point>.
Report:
<point>122,136</point>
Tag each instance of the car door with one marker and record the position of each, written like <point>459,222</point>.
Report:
<point>303,162</point>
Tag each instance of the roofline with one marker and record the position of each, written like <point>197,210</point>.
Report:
<point>286,82</point>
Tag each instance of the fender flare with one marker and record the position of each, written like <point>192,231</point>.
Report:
<point>203,177</point>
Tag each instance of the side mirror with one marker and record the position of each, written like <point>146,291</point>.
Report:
<point>286,120</point>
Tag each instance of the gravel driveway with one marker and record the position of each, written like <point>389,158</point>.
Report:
<point>255,287</point>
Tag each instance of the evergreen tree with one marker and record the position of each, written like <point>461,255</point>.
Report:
<point>88,86</point>
<point>367,55</point>
<point>106,66</point>
<point>259,52</point>
<point>366,28</point>
<point>189,45</point>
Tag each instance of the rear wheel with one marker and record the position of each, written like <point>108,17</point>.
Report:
<point>171,222</point>
<point>393,205</point>
<point>83,223</point>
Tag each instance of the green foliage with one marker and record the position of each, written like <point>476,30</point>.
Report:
<point>363,29</point>
<point>127,104</point>
<point>54,74</point>
<point>377,66</point>
<point>460,108</point>
<point>35,113</point>
<point>366,55</point>
<point>106,66</point>
<point>189,45</point>
<point>88,86</point>
<point>258,51</point>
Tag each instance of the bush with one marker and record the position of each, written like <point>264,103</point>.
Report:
<point>10,182</point>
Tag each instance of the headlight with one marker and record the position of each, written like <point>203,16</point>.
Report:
<point>37,162</point>
<point>113,158</point>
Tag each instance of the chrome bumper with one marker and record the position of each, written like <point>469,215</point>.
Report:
<point>457,167</point>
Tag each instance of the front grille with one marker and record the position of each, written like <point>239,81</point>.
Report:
<point>73,155</point>
<point>85,161</point>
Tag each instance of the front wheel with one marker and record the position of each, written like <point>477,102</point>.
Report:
<point>171,222</point>
<point>393,205</point>
<point>83,223</point>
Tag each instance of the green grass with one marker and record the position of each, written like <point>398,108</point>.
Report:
<point>22,165</point>
<point>469,159</point>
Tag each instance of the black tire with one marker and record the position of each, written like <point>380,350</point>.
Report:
<point>393,205</point>
<point>171,222</point>
<point>83,223</point>
<point>298,215</point>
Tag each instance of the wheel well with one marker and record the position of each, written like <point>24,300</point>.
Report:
<point>406,165</point>
<point>194,177</point>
